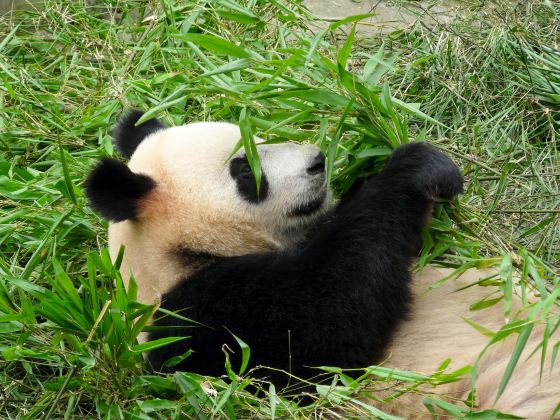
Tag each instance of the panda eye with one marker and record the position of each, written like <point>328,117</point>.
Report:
<point>241,174</point>
<point>240,169</point>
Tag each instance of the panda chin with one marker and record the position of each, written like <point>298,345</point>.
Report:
<point>309,208</point>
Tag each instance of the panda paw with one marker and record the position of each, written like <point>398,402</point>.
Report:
<point>428,169</point>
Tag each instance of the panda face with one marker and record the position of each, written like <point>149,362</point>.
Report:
<point>203,202</point>
<point>293,183</point>
<point>191,164</point>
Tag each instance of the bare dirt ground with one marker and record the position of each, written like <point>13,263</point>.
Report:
<point>387,16</point>
<point>8,5</point>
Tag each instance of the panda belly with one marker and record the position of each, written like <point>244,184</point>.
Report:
<point>437,330</point>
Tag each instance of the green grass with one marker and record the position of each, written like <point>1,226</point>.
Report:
<point>486,91</point>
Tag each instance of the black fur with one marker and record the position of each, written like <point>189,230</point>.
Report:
<point>127,136</point>
<point>307,208</point>
<point>114,190</point>
<point>335,300</point>
<point>318,165</point>
<point>196,259</point>
<point>240,170</point>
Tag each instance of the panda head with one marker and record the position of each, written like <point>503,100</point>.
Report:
<point>183,199</point>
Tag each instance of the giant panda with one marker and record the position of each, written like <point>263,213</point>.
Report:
<point>303,282</point>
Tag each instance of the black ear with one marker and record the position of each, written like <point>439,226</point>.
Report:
<point>128,136</point>
<point>114,190</point>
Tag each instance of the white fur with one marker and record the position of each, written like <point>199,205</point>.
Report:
<point>196,205</point>
<point>437,331</point>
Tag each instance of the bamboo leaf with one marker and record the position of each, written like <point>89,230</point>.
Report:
<point>245,353</point>
<point>506,273</point>
<point>518,349</point>
<point>66,173</point>
<point>156,344</point>
<point>349,19</point>
<point>173,99</point>
<point>344,52</point>
<point>215,44</point>
<point>228,67</point>
<point>250,147</point>
<point>413,110</point>
<point>314,45</point>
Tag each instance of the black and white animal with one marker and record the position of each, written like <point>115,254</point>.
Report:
<point>246,263</point>
<point>304,283</point>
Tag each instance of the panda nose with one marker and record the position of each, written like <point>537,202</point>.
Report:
<point>317,165</point>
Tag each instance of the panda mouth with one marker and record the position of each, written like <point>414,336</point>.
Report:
<point>308,208</point>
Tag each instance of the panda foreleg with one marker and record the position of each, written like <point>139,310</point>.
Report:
<point>358,263</point>
<point>334,301</point>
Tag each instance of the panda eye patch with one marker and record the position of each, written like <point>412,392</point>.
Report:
<point>240,171</point>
